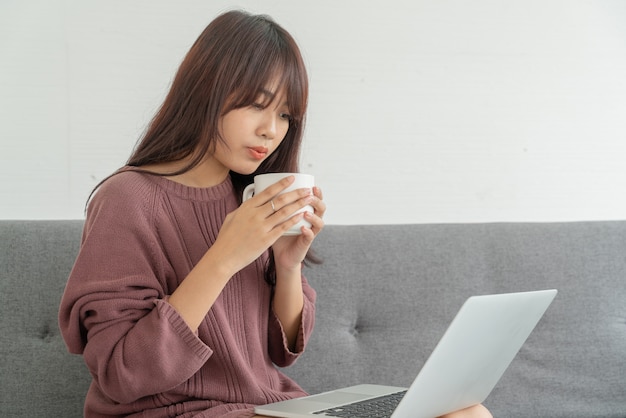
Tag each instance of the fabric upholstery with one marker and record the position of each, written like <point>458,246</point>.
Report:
<point>38,378</point>
<point>386,294</point>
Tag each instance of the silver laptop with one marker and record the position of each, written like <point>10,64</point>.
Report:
<point>466,364</point>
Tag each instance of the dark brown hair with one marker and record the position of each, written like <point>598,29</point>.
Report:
<point>231,62</point>
<point>235,57</point>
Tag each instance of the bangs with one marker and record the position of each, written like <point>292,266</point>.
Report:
<point>295,85</point>
<point>273,62</point>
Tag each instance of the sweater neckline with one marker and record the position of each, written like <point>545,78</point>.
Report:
<point>217,192</point>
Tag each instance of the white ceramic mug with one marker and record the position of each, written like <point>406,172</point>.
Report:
<point>302,181</point>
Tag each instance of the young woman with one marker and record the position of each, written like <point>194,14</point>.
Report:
<point>182,298</point>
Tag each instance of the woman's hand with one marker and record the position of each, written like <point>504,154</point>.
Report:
<point>259,222</point>
<point>246,233</point>
<point>289,251</point>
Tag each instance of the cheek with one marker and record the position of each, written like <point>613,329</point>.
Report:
<point>284,128</point>
<point>283,134</point>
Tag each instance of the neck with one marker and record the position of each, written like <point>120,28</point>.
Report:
<point>206,174</point>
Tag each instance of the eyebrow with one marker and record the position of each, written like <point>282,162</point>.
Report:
<point>267,93</point>
<point>271,95</point>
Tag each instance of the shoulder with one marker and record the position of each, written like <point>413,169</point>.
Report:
<point>126,183</point>
<point>124,195</point>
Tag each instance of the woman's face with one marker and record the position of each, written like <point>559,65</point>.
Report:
<point>252,133</point>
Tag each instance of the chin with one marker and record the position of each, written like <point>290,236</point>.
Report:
<point>245,171</point>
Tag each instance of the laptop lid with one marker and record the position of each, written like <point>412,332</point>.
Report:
<point>476,349</point>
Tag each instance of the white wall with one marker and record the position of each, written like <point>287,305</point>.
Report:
<point>420,111</point>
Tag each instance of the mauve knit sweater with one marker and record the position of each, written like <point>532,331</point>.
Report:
<point>142,236</point>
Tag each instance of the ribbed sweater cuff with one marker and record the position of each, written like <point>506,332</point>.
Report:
<point>167,311</point>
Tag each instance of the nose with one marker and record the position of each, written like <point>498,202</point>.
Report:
<point>268,127</point>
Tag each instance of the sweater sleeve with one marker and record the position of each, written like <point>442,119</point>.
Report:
<point>279,350</point>
<point>114,309</point>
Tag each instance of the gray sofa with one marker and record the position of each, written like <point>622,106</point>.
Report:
<point>385,296</point>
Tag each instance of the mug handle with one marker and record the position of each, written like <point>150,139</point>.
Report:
<point>248,192</point>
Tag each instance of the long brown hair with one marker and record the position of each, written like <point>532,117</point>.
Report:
<point>234,58</point>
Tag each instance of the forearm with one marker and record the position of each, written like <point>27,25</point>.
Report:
<point>288,302</point>
<point>197,293</point>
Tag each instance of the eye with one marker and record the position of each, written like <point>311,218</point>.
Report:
<point>285,116</point>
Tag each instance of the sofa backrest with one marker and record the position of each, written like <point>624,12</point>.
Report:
<point>37,375</point>
<point>386,294</point>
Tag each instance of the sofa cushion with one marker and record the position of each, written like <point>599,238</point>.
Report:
<point>39,377</point>
<point>386,294</point>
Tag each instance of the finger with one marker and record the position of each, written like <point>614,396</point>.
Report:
<point>272,207</point>
<point>319,207</point>
<point>285,212</point>
<point>286,225</point>
<point>318,192</point>
<point>287,204</point>
<point>286,199</point>
<point>317,223</point>
<point>266,195</point>
<point>308,234</point>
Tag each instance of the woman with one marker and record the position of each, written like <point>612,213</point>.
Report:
<point>182,298</point>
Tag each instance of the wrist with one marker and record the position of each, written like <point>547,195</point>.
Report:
<point>222,263</point>
<point>288,271</point>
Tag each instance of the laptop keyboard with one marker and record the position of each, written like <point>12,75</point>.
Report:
<point>380,407</point>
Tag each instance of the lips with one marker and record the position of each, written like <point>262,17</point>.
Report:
<point>258,153</point>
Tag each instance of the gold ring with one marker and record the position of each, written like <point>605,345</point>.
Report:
<point>272,203</point>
